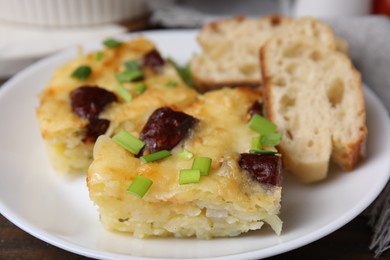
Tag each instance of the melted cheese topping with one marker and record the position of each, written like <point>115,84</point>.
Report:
<point>225,203</point>
<point>222,134</point>
<point>63,130</point>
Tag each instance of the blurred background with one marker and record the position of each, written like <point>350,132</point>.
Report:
<point>31,29</point>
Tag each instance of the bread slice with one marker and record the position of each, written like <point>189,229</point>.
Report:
<point>314,95</point>
<point>227,202</point>
<point>230,49</point>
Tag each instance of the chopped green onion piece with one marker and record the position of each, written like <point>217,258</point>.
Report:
<point>155,156</point>
<point>261,125</point>
<point>202,164</point>
<point>140,88</point>
<point>124,93</point>
<point>112,43</point>
<point>271,139</point>
<point>132,72</point>
<point>183,71</point>
<point>98,55</point>
<point>185,154</point>
<point>185,74</point>
<point>171,83</point>
<point>140,186</point>
<point>188,176</point>
<point>129,76</point>
<point>131,65</point>
<point>128,141</point>
<point>263,152</point>
<point>256,144</point>
<point>82,72</point>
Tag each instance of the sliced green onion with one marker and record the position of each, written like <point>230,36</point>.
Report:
<point>82,72</point>
<point>188,176</point>
<point>271,139</point>
<point>185,154</point>
<point>131,65</point>
<point>183,71</point>
<point>112,43</point>
<point>140,186</point>
<point>155,156</point>
<point>202,164</point>
<point>171,84</point>
<point>263,152</point>
<point>124,93</point>
<point>140,88</point>
<point>256,143</point>
<point>261,125</point>
<point>129,76</point>
<point>98,55</point>
<point>128,141</point>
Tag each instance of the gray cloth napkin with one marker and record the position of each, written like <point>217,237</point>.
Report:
<point>368,39</point>
<point>369,48</point>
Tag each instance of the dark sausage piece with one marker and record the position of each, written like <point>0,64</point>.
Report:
<point>95,128</point>
<point>153,59</point>
<point>266,169</point>
<point>256,108</point>
<point>165,129</point>
<point>276,20</point>
<point>88,101</point>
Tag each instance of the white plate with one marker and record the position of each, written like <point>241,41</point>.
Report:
<point>57,209</point>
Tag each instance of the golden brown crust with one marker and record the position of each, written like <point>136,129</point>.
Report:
<point>215,25</point>
<point>355,150</point>
<point>275,20</point>
<point>219,29</point>
<point>356,155</point>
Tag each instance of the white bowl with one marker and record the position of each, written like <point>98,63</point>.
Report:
<point>70,12</point>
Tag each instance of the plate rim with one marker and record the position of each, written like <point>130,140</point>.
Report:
<point>266,252</point>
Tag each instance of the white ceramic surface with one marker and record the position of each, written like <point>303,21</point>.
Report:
<point>57,209</point>
<point>70,12</point>
<point>330,8</point>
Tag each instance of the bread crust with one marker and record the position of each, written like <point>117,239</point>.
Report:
<point>356,150</point>
<point>208,72</point>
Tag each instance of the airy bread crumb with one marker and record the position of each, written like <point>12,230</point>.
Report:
<point>230,50</point>
<point>314,95</point>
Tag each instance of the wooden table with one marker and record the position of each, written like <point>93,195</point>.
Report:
<point>349,242</point>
